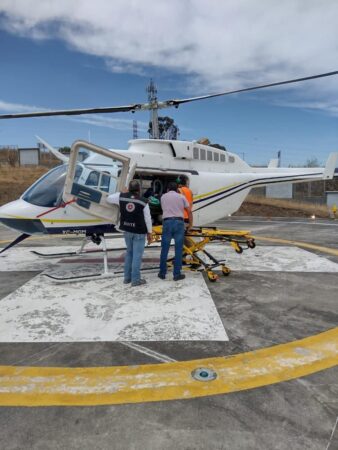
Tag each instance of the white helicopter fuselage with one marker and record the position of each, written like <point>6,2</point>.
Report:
<point>220,181</point>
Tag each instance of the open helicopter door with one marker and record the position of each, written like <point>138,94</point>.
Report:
<point>88,187</point>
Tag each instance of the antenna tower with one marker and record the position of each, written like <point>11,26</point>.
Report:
<point>152,98</point>
<point>135,135</point>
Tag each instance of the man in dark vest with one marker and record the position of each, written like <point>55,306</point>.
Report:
<point>135,222</point>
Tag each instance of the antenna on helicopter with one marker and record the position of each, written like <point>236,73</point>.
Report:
<point>153,104</point>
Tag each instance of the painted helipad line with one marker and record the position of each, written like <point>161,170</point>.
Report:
<point>45,386</point>
<point>320,248</point>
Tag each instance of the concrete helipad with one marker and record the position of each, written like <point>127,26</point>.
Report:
<point>270,325</point>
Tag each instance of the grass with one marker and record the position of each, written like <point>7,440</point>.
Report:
<point>319,210</point>
<point>15,180</point>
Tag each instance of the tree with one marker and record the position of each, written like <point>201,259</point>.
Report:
<point>312,162</point>
<point>64,150</point>
<point>167,128</point>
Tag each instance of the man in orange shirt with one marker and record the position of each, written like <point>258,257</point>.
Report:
<point>187,192</point>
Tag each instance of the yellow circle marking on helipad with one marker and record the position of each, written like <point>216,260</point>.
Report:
<point>330,251</point>
<point>45,386</point>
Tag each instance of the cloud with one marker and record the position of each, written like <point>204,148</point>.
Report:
<point>116,124</point>
<point>17,107</point>
<point>217,45</point>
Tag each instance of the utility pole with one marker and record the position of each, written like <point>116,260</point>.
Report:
<point>152,98</point>
<point>135,134</point>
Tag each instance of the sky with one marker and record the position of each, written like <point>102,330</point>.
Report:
<point>59,54</point>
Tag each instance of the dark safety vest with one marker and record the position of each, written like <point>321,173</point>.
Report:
<point>131,211</point>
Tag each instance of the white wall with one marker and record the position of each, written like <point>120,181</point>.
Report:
<point>279,191</point>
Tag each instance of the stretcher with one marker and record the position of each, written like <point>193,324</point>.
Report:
<point>195,241</point>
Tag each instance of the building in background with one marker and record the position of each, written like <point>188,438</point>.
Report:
<point>29,156</point>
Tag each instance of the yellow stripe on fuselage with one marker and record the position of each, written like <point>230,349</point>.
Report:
<point>72,221</point>
<point>59,220</point>
<point>197,197</point>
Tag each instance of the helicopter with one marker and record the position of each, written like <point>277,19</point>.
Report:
<point>72,197</point>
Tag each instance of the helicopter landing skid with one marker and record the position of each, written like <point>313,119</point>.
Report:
<point>96,276</point>
<point>77,253</point>
<point>104,274</point>
<point>97,239</point>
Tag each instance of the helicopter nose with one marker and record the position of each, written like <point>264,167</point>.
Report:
<point>14,215</point>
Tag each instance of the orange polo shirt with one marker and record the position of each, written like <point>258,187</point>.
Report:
<point>189,196</point>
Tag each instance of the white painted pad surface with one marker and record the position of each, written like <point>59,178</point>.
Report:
<point>22,258</point>
<point>273,258</point>
<point>107,310</point>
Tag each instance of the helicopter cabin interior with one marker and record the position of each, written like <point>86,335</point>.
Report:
<point>153,186</point>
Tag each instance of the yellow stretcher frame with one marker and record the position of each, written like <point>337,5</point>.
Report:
<point>197,238</point>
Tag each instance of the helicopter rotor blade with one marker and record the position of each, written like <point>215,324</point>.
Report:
<point>253,88</point>
<point>73,112</point>
<point>157,104</point>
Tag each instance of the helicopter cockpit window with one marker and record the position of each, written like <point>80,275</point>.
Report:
<point>209,153</point>
<point>196,153</point>
<point>202,154</point>
<point>222,158</point>
<point>78,172</point>
<point>216,156</point>
<point>48,190</point>
<point>231,159</point>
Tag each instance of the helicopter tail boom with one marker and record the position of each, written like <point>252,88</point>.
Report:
<point>302,173</point>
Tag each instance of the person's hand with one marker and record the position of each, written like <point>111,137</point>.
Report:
<point>149,238</point>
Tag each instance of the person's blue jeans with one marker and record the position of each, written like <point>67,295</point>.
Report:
<point>172,229</point>
<point>132,263</point>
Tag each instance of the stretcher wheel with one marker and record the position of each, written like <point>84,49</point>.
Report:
<point>239,249</point>
<point>212,276</point>
<point>251,243</point>
<point>226,271</point>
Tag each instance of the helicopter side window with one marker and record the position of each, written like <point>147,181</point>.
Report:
<point>216,156</point>
<point>231,159</point>
<point>222,158</point>
<point>202,154</point>
<point>48,190</point>
<point>105,181</point>
<point>196,153</point>
<point>93,178</point>
<point>209,153</point>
